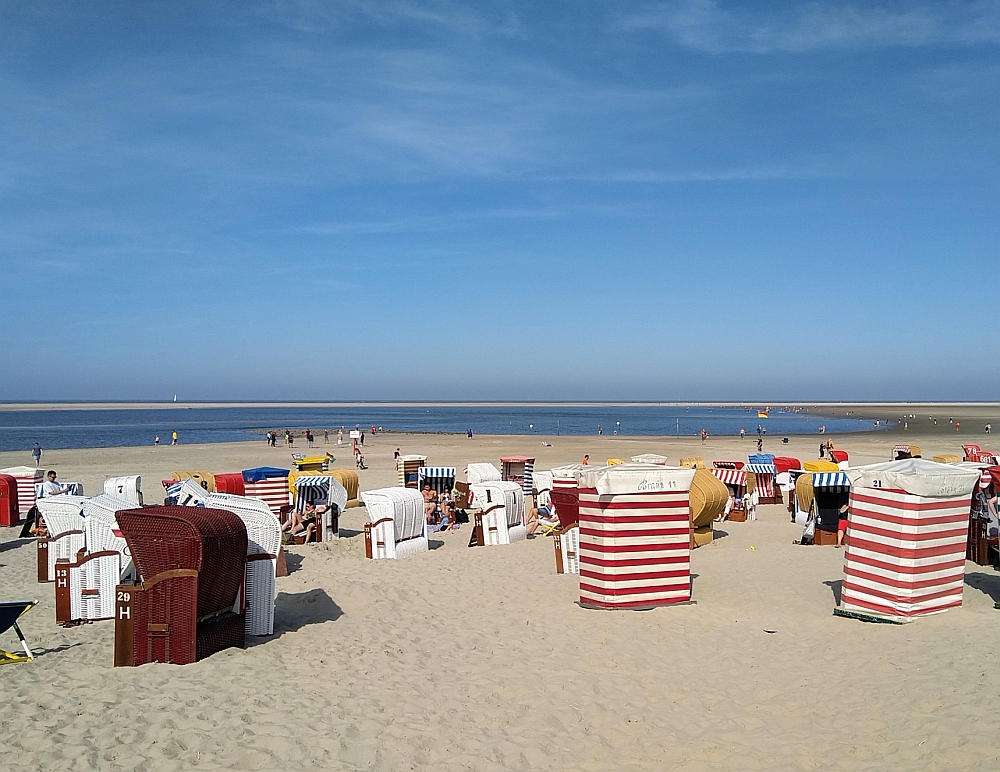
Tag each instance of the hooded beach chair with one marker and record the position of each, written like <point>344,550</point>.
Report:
<point>501,516</point>
<point>85,584</point>
<point>322,490</point>
<point>398,527</point>
<point>63,518</point>
<point>263,545</point>
<point>190,566</point>
<point>128,487</point>
<point>10,612</point>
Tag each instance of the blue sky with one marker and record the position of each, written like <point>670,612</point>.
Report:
<point>447,200</point>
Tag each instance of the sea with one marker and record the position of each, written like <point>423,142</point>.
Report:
<point>104,428</point>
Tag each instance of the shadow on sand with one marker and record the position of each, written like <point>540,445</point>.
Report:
<point>985,583</point>
<point>835,589</point>
<point>295,610</point>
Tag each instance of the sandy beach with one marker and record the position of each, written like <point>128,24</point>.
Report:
<point>480,658</point>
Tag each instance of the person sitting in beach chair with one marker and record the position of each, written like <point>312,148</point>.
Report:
<point>432,512</point>
<point>544,518</point>
<point>302,524</point>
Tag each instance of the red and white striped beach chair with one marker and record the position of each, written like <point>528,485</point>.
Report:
<point>635,536</point>
<point>27,478</point>
<point>907,533</point>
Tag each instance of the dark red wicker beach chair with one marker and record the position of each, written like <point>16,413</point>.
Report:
<point>191,562</point>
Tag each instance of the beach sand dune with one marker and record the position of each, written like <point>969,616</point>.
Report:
<point>480,659</point>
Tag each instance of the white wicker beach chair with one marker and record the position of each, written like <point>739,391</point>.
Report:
<point>128,487</point>
<point>501,519</point>
<point>85,586</point>
<point>542,482</point>
<point>64,522</point>
<point>263,544</point>
<point>398,527</point>
<point>483,472</point>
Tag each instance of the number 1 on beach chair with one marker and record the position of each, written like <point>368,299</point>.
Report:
<point>9,613</point>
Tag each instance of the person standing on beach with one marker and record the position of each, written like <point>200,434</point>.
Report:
<point>586,460</point>
<point>958,425</point>
<point>743,433</point>
<point>173,437</point>
<point>340,436</point>
<point>36,454</point>
<point>309,437</point>
<point>989,428</point>
<point>326,436</point>
<point>156,441</point>
<point>600,430</point>
<point>704,436</point>
<point>469,433</point>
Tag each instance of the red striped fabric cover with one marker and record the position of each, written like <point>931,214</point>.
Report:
<point>765,485</point>
<point>273,491</point>
<point>26,489</point>
<point>905,554</point>
<point>731,476</point>
<point>634,549</point>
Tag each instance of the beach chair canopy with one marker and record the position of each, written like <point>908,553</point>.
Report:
<point>734,477</point>
<point>440,478</point>
<point>761,458</point>
<point>263,528</point>
<point>212,542</point>
<point>728,464</point>
<point>820,465</point>
<point>10,612</point>
<point>917,477</point>
<point>786,463</point>
<point>830,481</point>
<point>838,456</point>
<point>404,506</point>
<point>259,473</point>
<point>692,462</point>
<point>507,493</point>
<point>128,487</point>
<point>481,472</point>
<point>649,458</point>
<point>231,483</point>
<point>319,489</point>
<point>708,498</point>
<point>62,514</point>
<point>623,479</point>
<point>762,468</point>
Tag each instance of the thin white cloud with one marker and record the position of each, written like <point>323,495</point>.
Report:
<point>705,25</point>
<point>453,17</point>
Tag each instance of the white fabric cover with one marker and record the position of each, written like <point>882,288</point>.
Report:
<point>917,477</point>
<point>406,533</point>
<point>623,479</point>
<point>482,472</point>
<point>128,487</point>
<point>650,458</point>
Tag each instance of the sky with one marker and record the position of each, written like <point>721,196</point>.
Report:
<point>576,200</point>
